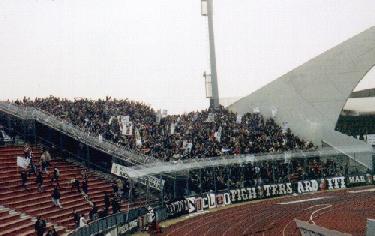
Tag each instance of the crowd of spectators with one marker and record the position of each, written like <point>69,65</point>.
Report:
<point>357,126</point>
<point>201,134</point>
<point>255,174</point>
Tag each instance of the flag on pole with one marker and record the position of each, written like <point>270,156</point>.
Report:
<point>285,127</point>
<point>128,129</point>
<point>210,117</point>
<point>138,138</point>
<point>256,110</point>
<point>274,112</point>
<point>158,116</point>
<point>173,126</point>
<point>218,134</point>
<point>239,119</point>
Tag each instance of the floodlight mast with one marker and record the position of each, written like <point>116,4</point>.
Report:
<point>207,10</point>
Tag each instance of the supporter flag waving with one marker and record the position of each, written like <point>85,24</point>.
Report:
<point>218,134</point>
<point>138,138</point>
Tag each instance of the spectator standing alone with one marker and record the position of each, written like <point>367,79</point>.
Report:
<point>56,197</point>
<point>24,178</point>
<point>85,186</point>
<point>75,185</point>
<point>39,181</point>
<point>45,159</point>
<point>82,221</point>
<point>52,232</point>
<point>76,218</point>
<point>40,226</point>
<point>107,202</point>
<point>55,176</point>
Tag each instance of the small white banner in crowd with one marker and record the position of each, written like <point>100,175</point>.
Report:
<point>23,162</point>
<point>285,127</point>
<point>173,125</point>
<point>256,110</point>
<point>211,117</point>
<point>138,138</point>
<point>239,119</point>
<point>152,181</point>
<point>370,139</point>
<point>274,112</point>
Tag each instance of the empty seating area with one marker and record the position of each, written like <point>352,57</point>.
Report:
<point>19,207</point>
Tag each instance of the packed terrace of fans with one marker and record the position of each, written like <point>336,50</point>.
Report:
<point>197,134</point>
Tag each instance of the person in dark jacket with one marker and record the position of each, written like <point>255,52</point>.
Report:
<point>76,217</point>
<point>39,181</point>
<point>55,177</point>
<point>40,226</point>
<point>56,197</point>
<point>115,205</point>
<point>75,184</point>
<point>93,212</point>
<point>114,187</point>
<point>52,232</point>
<point>107,202</point>
<point>24,179</point>
<point>85,186</point>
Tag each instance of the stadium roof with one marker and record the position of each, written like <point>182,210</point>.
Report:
<point>310,98</point>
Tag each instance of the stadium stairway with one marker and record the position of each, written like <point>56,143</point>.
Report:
<point>31,203</point>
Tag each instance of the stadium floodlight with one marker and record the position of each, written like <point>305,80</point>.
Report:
<point>207,11</point>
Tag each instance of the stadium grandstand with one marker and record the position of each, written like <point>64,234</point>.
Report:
<point>357,118</point>
<point>294,157</point>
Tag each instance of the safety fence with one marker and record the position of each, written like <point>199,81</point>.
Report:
<point>199,203</point>
<point>107,224</point>
<point>31,113</point>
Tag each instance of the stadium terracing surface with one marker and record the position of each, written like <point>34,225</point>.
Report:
<point>346,211</point>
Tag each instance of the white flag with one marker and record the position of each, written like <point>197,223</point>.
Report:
<point>164,113</point>
<point>138,138</point>
<point>23,162</point>
<point>274,112</point>
<point>195,117</point>
<point>239,119</point>
<point>110,120</point>
<point>218,134</point>
<point>125,119</point>
<point>158,116</point>
<point>211,117</point>
<point>128,129</point>
<point>256,110</point>
<point>287,157</point>
<point>189,147</point>
<point>285,127</point>
<point>173,125</point>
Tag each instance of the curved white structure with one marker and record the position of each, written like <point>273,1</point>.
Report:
<point>311,97</point>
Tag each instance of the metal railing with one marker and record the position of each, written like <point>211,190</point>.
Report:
<point>227,160</point>
<point>76,133</point>
<point>109,222</point>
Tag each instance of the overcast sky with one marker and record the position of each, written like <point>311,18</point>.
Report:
<point>156,51</point>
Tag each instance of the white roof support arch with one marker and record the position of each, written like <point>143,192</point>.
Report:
<point>311,97</point>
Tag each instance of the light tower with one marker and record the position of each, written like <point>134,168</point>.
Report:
<point>212,90</point>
